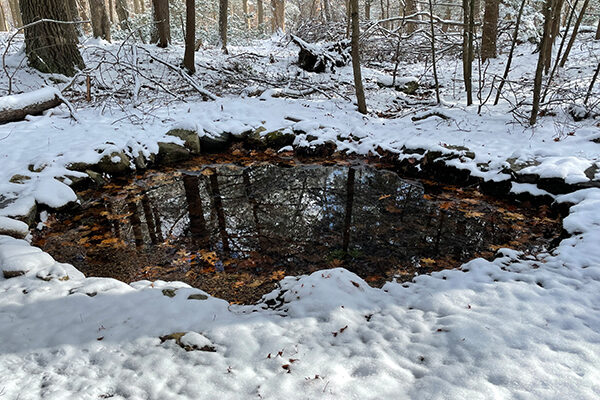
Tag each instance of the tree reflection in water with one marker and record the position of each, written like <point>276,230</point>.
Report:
<point>265,218</point>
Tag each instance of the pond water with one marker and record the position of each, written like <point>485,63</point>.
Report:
<point>234,229</point>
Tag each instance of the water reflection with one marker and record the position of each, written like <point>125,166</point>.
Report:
<point>266,218</point>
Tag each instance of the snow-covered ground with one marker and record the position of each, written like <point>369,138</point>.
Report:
<point>515,327</point>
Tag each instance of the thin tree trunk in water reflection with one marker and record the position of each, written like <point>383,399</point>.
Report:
<point>436,249</point>
<point>194,202</point>
<point>254,205</point>
<point>157,224</point>
<point>149,218</point>
<point>349,203</point>
<point>136,223</point>
<point>218,205</point>
<point>109,206</point>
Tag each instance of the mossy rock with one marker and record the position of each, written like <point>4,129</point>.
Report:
<point>171,153</point>
<point>19,179</point>
<point>409,87</point>
<point>192,142</point>
<point>95,177</point>
<point>278,139</point>
<point>115,163</point>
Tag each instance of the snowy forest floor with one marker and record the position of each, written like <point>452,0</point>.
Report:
<point>525,327</point>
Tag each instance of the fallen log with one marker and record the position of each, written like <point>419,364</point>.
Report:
<point>16,107</point>
<point>318,58</point>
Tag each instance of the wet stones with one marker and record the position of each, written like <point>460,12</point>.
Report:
<point>212,142</point>
<point>190,138</point>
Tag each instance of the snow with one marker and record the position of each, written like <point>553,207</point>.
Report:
<point>13,226</point>
<point>19,101</point>
<point>517,326</point>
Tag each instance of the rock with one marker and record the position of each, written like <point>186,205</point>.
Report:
<point>32,168</point>
<point>170,153</point>
<point>197,296</point>
<point>12,274</point>
<point>13,227</point>
<point>141,162</point>
<point>95,177</point>
<point>169,292</point>
<point>19,179</point>
<point>79,166</point>
<point>192,142</point>
<point>214,142</point>
<point>278,139</point>
<point>408,87</point>
<point>116,163</point>
<point>189,341</point>
<point>254,140</point>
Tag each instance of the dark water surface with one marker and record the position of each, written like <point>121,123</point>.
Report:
<point>235,230</point>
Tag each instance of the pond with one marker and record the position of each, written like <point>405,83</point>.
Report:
<point>235,226</point>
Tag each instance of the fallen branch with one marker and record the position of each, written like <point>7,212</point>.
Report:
<point>17,107</point>
<point>430,114</point>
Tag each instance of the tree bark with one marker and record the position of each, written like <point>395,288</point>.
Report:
<point>410,7</point>
<point>597,37</point>
<point>278,20</point>
<point>246,15</point>
<point>358,85</point>
<point>50,47</point>
<point>546,41</point>
<point>367,10</point>
<point>100,19</point>
<point>468,23</point>
<point>223,4</point>
<point>260,13</point>
<point>433,60</point>
<point>490,29</point>
<point>15,12</point>
<point>122,13</point>
<point>162,36</point>
<point>3,26</point>
<point>190,36</point>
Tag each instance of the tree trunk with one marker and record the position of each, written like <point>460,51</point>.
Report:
<point>223,4</point>
<point>410,7</point>
<point>136,7</point>
<point>349,206</point>
<point>468,23</point>
<point>278,20</point>
<point>447,17</point>
<point>327,10</point>
<point>73,15</point>
<point>563,61</point>
<point>122,13</point>
<point>358,85</point>
<point>367,10</point>
<point>15,13</point>
<point>597,37</point>
<point>245,12</point>
<point>162,35</point>
<point>490,30</point>
<point>50,47</point>
<point>110,8</point>
<point>3,26</point>
<point>537,83</point>
<point>554,29</point>
<point>260,14</point>
<point>190,36</point>
<point>433,60</point>
<point>100,20</point>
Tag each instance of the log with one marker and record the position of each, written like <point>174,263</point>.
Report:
<point>319,58</point>
<point>16,107</point>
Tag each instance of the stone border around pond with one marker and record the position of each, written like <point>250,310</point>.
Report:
<point>442,166</point>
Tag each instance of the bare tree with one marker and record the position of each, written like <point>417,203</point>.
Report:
<point>467,51</point>
<point>260,14</point>
<point>565,56</point>
<point>490,29</point>
<point>513,44</point>
<point>546,41</point>
<point>190,36</point>
<point>100,19</point>
<point>162,29</point>
<point>223,5</point>
<point>358,85</point>
<point>410,8</point>
<point>122,9</point>
<point>433,60</point>
<point>50,46</point>
<point>597,36</point>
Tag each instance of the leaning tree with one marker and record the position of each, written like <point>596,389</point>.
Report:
<point>51,44</point>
